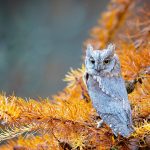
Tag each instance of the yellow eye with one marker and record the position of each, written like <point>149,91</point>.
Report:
<point>106,61</point>
<point>92,60</point>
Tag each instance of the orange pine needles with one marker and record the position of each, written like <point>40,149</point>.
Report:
<point>69,120</point>
<point>109,23</point>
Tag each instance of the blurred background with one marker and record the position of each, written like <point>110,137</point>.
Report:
<point>40,40</point>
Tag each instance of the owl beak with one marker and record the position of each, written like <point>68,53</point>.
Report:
<point>99,68</point>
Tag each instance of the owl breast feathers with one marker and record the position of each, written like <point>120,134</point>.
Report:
<point>107,89</point>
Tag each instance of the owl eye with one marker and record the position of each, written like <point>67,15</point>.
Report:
<point>106,61</point>
<point>92,60</point>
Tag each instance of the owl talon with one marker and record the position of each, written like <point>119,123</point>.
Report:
<point>99,123</point>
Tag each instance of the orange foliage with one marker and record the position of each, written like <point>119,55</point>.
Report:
<point>69,120</point>
<point>109,23</point>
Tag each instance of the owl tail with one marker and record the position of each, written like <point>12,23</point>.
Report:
<point>128,132</point>
<point>125,131</point>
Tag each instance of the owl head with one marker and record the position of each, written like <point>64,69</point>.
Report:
<point>101,61</point>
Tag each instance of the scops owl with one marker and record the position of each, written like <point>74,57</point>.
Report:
<point>107,90</point>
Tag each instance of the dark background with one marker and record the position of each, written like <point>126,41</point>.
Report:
<point>40,40</point>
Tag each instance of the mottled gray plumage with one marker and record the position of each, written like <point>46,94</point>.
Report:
<point>107,89</point>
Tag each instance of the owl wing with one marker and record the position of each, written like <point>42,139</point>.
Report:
<point>115,88</point>
<point>116,118</point>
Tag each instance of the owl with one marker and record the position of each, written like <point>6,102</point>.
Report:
<point>107,89</point>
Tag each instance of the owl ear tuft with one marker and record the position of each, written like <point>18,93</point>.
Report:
<point>89,50</point>
<point>111,49</point>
